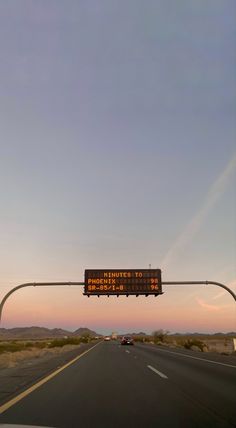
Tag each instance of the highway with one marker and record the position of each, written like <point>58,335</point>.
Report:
<point>113,386</point>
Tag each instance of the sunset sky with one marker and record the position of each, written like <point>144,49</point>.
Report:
<point>118,150</point>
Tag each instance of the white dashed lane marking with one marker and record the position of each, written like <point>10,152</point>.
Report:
<point>157,372</point>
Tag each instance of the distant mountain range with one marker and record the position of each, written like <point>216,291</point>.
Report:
<point>42,333</point>
<point>141,333</point>
<point>230,333</point>
<point>36,333</point>
<point>210,335</point>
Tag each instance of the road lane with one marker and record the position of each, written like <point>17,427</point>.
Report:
<point>109,387</point>
<point>219,359</point>
<point>210,383</point>
<point>16,379</point>
<point>41,382</point>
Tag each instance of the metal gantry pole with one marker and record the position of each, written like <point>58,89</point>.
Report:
<point>34,284</point>
<point>201,283</point>
<point>49,284</point>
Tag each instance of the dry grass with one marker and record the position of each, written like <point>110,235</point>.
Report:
<point>12,353</point>
<point>205,343</point>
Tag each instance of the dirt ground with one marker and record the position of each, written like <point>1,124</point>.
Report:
<point>14,359</point>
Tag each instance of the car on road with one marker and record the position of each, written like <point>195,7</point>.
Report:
<point>127,340</point>
<point>107,338</point>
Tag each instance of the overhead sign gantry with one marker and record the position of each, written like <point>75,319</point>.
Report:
<point>122,282</point>
<point>118,282</point>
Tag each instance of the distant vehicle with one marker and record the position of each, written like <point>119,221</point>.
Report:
<point>107,338</point>
<point>127,340</point>
<point>114,335</point>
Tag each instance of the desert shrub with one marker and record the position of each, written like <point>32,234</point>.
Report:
<point>62,342</point>
<point>140,339</point>
<point>85,338</point>
<point>15,346</point>
<point>39,345</point>
<point>29,345</point>
<point>11,347</point>
<point>189,343</point>
<point>159,336</point>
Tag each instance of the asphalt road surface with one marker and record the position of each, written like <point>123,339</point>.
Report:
<point>132,386</point>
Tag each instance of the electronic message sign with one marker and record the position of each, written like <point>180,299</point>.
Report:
<point>122,281</point>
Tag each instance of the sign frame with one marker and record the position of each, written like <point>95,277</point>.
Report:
<point>118,282</point>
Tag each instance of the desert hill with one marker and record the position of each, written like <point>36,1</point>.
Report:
<point>42,333</point>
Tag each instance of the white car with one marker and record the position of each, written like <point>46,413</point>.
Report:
<point>107,338</point>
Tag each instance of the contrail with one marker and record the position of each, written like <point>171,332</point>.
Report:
<point>194,225</point>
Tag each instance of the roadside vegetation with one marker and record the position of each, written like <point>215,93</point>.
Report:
<point>23,345</point>
<point>197,342</point>
<point>58,343</point>
<point>194,344</point>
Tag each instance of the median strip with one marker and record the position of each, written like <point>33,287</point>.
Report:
<point>157,372</point>
<point>28,391</point>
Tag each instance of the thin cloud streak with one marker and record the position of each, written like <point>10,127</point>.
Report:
<point>192,228</point>
<point>231,285</point>
<point>210,307</point>
<point>219,295</point>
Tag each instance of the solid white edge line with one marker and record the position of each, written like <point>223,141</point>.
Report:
<point>195,358</point>
<point>157,372</point>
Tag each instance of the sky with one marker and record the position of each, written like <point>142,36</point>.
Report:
<point>118,150</point>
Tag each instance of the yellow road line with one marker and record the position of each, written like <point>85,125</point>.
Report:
<point>28,391</point>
